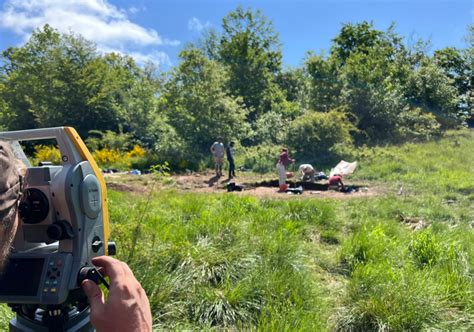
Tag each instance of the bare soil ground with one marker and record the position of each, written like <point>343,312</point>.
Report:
<point>265,186</point>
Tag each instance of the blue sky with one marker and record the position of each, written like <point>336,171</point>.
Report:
<point>157,30</point>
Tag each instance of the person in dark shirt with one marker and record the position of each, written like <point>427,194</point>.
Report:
<point>230,158</point>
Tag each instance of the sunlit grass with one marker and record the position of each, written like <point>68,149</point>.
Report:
<point>220,261</point>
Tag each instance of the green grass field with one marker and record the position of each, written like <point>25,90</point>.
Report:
<point>217,261</point>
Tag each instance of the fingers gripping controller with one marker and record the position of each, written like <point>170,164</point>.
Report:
<point>93,274</point>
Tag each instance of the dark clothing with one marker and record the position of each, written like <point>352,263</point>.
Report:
<point>230,154</point>
<point>231,169</point>
<point>230,158</point>
<point>284,159</point>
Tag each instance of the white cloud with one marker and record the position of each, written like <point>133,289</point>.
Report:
<point>133,10</point>
<point>159,58</point>
<point>194,24</point>
<point>96,20</point>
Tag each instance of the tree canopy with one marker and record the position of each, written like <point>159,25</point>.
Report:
<point>370,88</point>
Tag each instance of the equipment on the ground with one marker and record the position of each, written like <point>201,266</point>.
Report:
<point>232,186</point>
<point>297,191</point>
<point>64,223</point>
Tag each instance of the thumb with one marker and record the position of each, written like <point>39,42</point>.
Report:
<point>94,294</point>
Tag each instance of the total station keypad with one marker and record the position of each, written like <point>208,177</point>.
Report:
<point>53,274</point>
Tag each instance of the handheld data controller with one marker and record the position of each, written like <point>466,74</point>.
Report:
<point>64,223</point>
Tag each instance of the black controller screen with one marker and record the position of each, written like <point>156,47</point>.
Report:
<point>21,277</point>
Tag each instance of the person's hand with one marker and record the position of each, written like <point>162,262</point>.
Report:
<point>127,307</point>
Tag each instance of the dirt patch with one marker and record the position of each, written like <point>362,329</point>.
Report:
<point>253,184</point>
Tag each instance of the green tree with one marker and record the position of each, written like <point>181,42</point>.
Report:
<point>251,51</point>
<point>59,79</point>
<point>325,83</point>
<point>295,85</point>
<point>355,38</point>
<point>199,106</point>
<point>429,88</point>
<point>319,138</point>
<point>458,66</point>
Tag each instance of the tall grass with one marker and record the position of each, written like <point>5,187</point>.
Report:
<point>223,261</point>
<point>218,261</point>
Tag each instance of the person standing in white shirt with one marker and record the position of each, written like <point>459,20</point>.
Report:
<point>218,152</point>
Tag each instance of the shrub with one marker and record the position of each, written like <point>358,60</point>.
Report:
<point>136,158</point>
<point>47,153</point>
<point>107,158</point>
<point>417,126</point>
<point>137,151</point>
<point>110,140</point>
<point>318,137</point>
<point>260,158</point>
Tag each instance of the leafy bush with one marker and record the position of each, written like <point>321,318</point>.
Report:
<point>260,158</point>
<point>47,153</point>
<point>318,137</point>
<point>110,140</point>
<point>270,128</point>
<point>106,157</point>
<point>136,158</point>
<point>417,125</point>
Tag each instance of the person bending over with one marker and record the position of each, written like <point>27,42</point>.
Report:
<point>335,182</point>
<point>307,172</point>
<point>127,307</point>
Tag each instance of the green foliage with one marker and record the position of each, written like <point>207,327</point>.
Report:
<point>56,80</point>
<point>458,66</point>
<point>233,85</point>
<point>318,137</point>
<point>110,140</point>
<point>200,109</point>
<point>358,38</point>
<point>251,51</point>
<point>425,249</point>
<point>271,128</point>
<point>47,153</point>
<point>429,89</point>
<point>294,83</point>
<point>325,85</point>
<point>389,94</point>
<point>260,158</point>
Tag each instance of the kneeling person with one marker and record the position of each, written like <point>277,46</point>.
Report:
<point>307,172</point>
<point>335,182</point>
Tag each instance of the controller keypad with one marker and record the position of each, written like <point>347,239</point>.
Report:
<point>52,276</point>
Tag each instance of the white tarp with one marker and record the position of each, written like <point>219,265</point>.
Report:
<point>344,168</point>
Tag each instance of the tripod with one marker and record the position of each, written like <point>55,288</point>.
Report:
<point>71,316</point>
